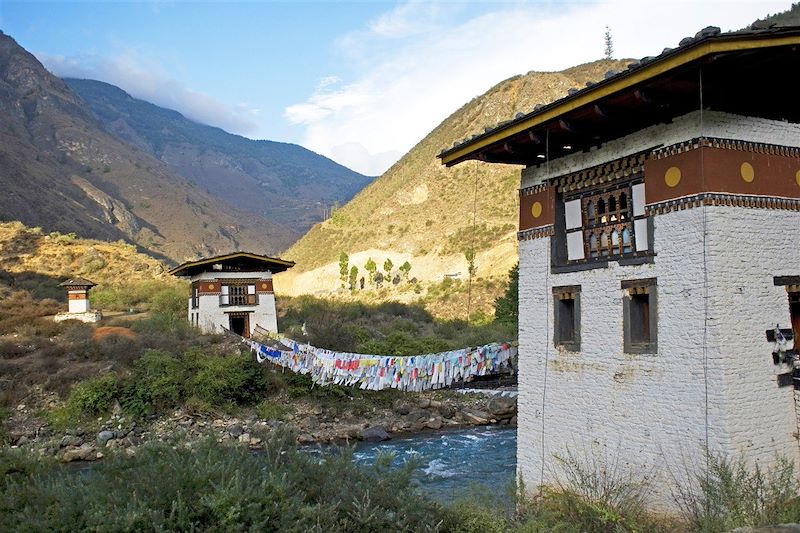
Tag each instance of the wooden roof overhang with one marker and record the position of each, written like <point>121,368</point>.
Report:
<point>750,73</point>
<point>234,262</point>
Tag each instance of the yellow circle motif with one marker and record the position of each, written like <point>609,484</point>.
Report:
<point>263,285</point>
<point>211,286</point>
<point>672,177</point>
<point>748,174</point>
<point>536,209</point>
<point>797,177</point>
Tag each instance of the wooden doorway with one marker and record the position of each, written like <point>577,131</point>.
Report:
<point>239,323</point>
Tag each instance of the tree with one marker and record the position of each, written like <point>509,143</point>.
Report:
<point>344,267</point>
<point>371,267</point>
<point>469,255</point>
<point>353,277</point>
<point>405,268</point>
<point>506,307</point>
<point>609,52</point>
<point>387,266</point>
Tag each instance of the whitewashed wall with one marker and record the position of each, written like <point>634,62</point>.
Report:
<point>648,411</point>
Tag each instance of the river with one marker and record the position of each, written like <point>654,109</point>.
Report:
<point>456,463</point>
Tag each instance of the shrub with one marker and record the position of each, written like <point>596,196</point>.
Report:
<point>725,494</point>
<point>219,488</point>
<point>93,396</point>
<point>156,383</point>
<point>269,410</point>
<point>225,380</point>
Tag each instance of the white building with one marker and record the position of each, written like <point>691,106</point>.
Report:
<point>232,291</point>
<point>659,239</point>
<point>78,301</point>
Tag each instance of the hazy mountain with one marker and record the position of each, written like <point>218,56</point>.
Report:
<point>283,182</point>
<point>59,169</point>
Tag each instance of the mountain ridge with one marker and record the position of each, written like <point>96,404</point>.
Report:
<point>284,182</point>
<point>61,171</point>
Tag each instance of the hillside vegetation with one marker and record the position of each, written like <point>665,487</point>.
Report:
<point>422,212</point>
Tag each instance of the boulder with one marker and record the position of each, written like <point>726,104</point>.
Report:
<point>235,431</point>
<point>435,422</point>
<point>70,440</point>
<point>424,403</point>
<point>447,411</point>
<point>374,434</point>
<point>244,438</point>
<point>502,407</point>
<point>401,407</point>
<point>84,452</point>
<point>104,436</point>
<point>305,438</point>
<point>476,418</point>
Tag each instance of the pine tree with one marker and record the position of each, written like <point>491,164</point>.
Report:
<point>609,53</point>
<point>371,267</point>
<point>506,307</point>
<point>353,277</point>
<point>344,267</point>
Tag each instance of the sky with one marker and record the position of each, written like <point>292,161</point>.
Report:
<point>359,82</point>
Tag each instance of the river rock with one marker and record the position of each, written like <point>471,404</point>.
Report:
<point>244,438</point>
<point>401,407</point>
<point>104,436</point>
<point>424,403</point>
<point>447,411</point>
<point>70,440</point>
<point>84,452</point>
<point>305,438</point>
<point>513,421</point>
<point>476,417</point>
<point>435,422</point>
<point>235,431</point>
<point>374,434</point>
<point>502,407</point>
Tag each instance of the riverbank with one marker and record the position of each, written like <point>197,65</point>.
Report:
<point>341,421</point>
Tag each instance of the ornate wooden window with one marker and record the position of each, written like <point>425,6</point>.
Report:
<point>605,223</point>
<point>238,295</point>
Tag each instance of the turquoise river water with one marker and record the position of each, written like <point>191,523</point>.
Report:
<point>455,463</point>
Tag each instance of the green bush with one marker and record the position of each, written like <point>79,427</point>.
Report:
<point>223,381</point>
<point>269,410</point>
<point>156,383</point>
<point>93,396</point>
<point>219,488</point>
<point>726,493</point>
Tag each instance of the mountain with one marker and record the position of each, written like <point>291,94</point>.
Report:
<point>283,182</point>
<point>422,212</point>
<point>60,170</point>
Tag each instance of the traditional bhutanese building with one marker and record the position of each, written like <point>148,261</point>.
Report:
<point>78,307</point>
<point>659,238</point>
<point>232,292</point>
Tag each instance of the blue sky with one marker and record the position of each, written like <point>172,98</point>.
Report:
<point>360,82</point>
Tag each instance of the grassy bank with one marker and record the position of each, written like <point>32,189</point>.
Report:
<point>207,486</point>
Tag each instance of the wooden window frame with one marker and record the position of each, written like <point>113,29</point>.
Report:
<point>643,291</point>
<point>560,296</point>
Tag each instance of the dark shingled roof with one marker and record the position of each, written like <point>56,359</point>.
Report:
<point>690,50</point>
<point>241,261</point>
<point>77,282</point>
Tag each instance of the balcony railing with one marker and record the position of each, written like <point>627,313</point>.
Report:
<point>238,299</point>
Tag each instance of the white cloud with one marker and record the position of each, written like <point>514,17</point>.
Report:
<point>147,80</point>
<point>420,62</point>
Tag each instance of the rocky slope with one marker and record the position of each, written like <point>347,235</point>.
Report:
<point>61,171</point>
<point>422,212</point>
<point>282,182</point>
